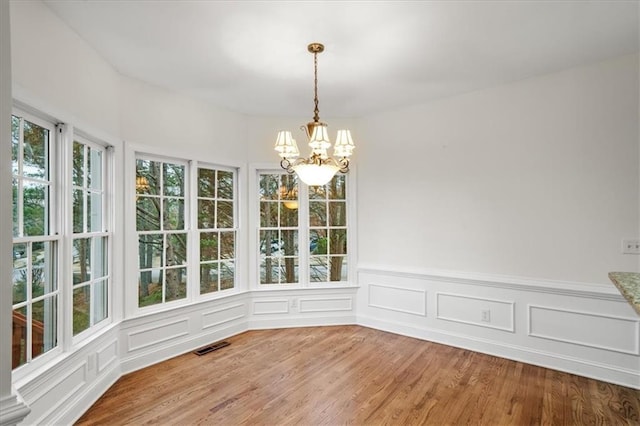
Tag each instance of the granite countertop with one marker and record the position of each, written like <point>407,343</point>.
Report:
<point>629,285</point>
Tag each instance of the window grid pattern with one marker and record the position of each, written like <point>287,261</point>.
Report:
<point>161,227</point>
<point>90,246</point>
<point>216,229</point>
<point>35,289</point>
<point>328,231</point>
<point>279,229</point>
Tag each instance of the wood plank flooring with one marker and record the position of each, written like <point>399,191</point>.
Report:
<point>355,375</point>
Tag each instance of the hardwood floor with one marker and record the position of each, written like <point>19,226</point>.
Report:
<point>355,375</point>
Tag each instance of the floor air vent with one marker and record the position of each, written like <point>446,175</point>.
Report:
<point>211,348</point>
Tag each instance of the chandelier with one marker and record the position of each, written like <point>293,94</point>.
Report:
<point>319,168</point>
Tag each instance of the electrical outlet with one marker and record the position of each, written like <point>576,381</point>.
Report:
<point>294,303</point>
<point>630,246</point>
<point>486,316</point>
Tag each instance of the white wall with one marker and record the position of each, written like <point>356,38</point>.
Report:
<point>538,178</point>
<point>53,64</point>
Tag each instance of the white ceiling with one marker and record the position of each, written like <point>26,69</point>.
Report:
<point>251,56</point>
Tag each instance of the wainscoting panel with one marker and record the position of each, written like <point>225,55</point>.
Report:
<point>325,304</point>
<point>107,355</point>
<point>597,331</point>
<point>274,306</point>
<point>223,314</point>
<point>482,312</point>
<point>154,335</point>
<point>396,298</point>
<point>589,329</point>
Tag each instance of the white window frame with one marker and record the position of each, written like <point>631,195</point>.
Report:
<point>194,159</point>
<point>54,236</point>
<point>108,214</point>
<point>255,170</point>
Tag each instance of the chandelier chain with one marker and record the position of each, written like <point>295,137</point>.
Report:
<point>316,111</point>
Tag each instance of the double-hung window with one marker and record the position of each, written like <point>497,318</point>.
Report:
<point>91,239</point>
<point>36,240</point>
<point>302,230</point>
<point>184,252</point>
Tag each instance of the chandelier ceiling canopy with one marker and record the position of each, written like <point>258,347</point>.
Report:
<point>318,168</point>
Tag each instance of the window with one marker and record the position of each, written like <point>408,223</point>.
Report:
<point>90,244</point>
<point>279,230</point>
<point>35,240</point>
<point>216,229</point>
<point>184,252</point>
<point>293,216</point>
<point>162,236</point>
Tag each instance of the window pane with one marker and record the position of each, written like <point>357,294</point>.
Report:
<point>208,246</point>
<point>35,209</point>
<point>289,242</point>
<point>14,196</point>
<point>225,214</point>
<point>100,260</point>
<point>173,180</point>
<point>94,212</point>
<point>317,213</point>
<point>337,241</point>
<point>337,187</point>
<point>338,268</point>
<point>269,271</point>
<point>269,243</point>
<point>318,269</point>
<point>150,287</point>
<point>148,214</point>
<point>19,340</point>
<point>78,210</point>
<point>269,187</point>
<point>317,193</point>
<point>208,277</point>
<point>15,143</point>
<point>337,213</point>
<point>289,270</point>
<point>206,183</point>
<point>225,185</point>
<point>147,177</point>
<point>173,213</point>
<point>78,164</point>
<point>81,308</point>
<point>227,245</point>
<point>227,273</point>
<point>176,283</point>
<point>81,260</point>
<point>268,214</point>
<point>44,326</point>
<point>288,215</point>
<point>100,302</point>
<point>176,250</point>
<point>20,261</point>
<point>150,248</point>
<point>43,270</point>
<point>206,214</point>
<point>36,145</point>
<point>94,169</point>
<point>318,241</point>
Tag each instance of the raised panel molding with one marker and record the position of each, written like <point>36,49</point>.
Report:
<point>107,355</point>
<point>223,315</point>
<point>399,299</point>
<point>325,304</point>
<point>585,329</point>
<point>270,307</point>
<point>150,336</point>
<point>468,310</point>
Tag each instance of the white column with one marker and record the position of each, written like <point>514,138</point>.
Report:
<point>12,409</point>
